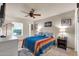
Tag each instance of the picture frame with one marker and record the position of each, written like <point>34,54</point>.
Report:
<point>66,22</point>
<point>48,24</point>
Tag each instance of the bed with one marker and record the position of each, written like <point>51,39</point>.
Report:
<point>37,44</point>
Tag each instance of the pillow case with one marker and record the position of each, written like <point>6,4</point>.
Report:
<point>48,34</point>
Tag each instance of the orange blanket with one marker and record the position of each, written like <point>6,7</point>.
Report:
<point>40,43</point>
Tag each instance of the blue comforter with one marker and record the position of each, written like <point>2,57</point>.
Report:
<point>30,42</point>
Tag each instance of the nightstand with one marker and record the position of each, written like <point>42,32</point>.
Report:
<point>62,43</point>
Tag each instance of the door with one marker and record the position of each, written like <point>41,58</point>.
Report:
<point>78,32</point>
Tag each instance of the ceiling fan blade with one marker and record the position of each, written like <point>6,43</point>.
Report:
<point>33,17</point>
<point>37,14</point>
<point>32,10</point>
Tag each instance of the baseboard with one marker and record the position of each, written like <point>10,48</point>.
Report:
<point>71,48</point>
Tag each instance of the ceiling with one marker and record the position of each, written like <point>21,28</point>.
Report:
<point>45,9</point>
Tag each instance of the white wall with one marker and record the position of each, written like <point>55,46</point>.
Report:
<point>56,21</point>
<point>14,14</point>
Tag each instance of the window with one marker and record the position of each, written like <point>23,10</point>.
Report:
<point>17,29</point>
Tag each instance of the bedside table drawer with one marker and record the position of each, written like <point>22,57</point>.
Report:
<point>62,43</point>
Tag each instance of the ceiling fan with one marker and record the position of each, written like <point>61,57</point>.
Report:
<point>31,13</point>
